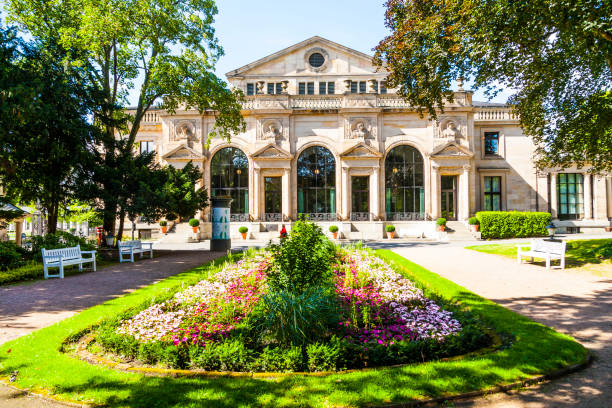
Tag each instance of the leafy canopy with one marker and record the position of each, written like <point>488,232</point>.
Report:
<point>556,55</point>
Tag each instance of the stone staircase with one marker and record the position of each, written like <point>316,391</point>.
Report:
<point>459,231</point>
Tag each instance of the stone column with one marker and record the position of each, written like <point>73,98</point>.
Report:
<point>374,192</point>
<point>256,189</point>
<point>435,191</point>
<point>464,193</point>
<point>553,195</point>
<point>609,195</point>
<point>346,199</point>
<point>18,231</point>
<point>588,197</point>
<point>286,202</point>
<point>599,198</point>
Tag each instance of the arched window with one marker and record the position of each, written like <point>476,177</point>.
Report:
<point>316,177</point>
<point>229,176</point>
<point>404,184</point>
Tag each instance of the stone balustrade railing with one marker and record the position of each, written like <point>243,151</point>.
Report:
<point>494,114</point>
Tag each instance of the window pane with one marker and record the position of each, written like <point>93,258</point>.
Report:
<point>383,87</point>
<point>491,142</point>
<point>362,87</point>
<point>331,88</point>
<point>270,88</point>
<point>302,88</point>
<point>496,184</point>
<point>250,89</point>
<point>310,88</point>
<point>496,205</point>
<point>353,87</point>
<point>322,88</point>
<point>487,184</point>
<point>404,180</point>
<point>279,88</point>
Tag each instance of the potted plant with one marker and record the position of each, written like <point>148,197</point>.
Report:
<point>441,223</point>
<point>243,231</point>
<point>164,226</point>
<point>474,224</point>
<point>334,230</point>
<point>390,231</point>
<point>194,223</point>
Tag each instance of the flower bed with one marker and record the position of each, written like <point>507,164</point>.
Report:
<point>356,312</point>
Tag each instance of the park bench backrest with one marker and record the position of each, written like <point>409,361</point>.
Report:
<point>551,247</point>
<point>53,255</point>
<point>127,244</point>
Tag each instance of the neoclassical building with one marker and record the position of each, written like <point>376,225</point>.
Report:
<point>326,138</point>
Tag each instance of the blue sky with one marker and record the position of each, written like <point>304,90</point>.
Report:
<point>249,30</point>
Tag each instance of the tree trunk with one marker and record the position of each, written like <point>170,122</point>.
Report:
<point>121,222</point>
<point>52,213</point>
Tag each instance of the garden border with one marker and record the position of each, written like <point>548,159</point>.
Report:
<point>515,362</point>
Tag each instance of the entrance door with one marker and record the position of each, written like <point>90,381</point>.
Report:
<point>360,208</point>
<point>448,202</point>
<point>273,199</point>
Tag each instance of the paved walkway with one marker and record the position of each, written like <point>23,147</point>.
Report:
<point>579,304</point>
<point>28,307</point>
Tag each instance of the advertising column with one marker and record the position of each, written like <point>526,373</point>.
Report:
<point>220,224</point>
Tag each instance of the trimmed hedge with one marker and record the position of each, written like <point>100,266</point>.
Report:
<point>513,224</point>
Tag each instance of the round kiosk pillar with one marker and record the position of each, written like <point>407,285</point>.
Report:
<point>221,224</point>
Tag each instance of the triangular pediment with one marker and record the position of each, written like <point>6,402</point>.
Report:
<point>182,152</point>
<point>361,151</point>
<point>272,152</point>
<point>452,149</point>
<point>286,61</point>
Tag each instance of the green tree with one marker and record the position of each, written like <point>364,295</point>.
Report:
<point>557,55</point>
<point>180,194</point>
<point>164,49</point>
<point>45,131</point>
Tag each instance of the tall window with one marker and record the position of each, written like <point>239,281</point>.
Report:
<point>316,177</point>
<point>251,89</point>
<point>310,88</point>
<point>570,196</point>
<point>275,88</point>
<point>302,88</point>
<point>229,175</point>
<point>491,143</point>
<point>326,88</point>
<point>404,184</point>
<point>492,193</point>
<point>306,88</point>
<point>147,147</point>
<point>383,87</point>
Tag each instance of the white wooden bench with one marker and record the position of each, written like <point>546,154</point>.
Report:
<point>134,247</point>
<point>58,258</point>
<point>545,249</point>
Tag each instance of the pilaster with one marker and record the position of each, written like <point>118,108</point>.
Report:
<point>588,197</point>
<point>553,195</point>
<point>435,191</point>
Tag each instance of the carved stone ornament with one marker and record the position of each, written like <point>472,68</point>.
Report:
<point>185,130</point>
<point>271,129</point>
<point>359,128</point>
<point>449,129</point>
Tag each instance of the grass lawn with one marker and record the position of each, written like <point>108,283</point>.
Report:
<point>534,349</point>
<point>587,254</point>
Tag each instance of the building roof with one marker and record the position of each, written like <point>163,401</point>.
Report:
<point>302,44</point>
<point>485,104</point>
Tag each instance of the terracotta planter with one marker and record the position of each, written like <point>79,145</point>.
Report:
<point>335,235</point>
<point>475,227</point>
<point>164,229</point>
<point>244,234</point>
<point>441,228</point>
<point>608,229</point>
<point>391,234</point>
<point>195,230</point>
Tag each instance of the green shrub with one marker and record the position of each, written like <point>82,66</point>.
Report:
<point>163,223</point>
<point>302,261</point>
<point>473,221</point>
<point>323,356</point>
<point>32,270</point>
<point>277,359</point>
<point>229,355</point>
<point>294,319</point>
<point>441,221</point>
<point>243,230</point>
<point>513,224</point>
<point>390,228</point>
<point>11,256</point>
<point>194,222</point>
<point>333,228</point>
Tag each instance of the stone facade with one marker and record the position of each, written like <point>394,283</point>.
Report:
<point>319,93</point>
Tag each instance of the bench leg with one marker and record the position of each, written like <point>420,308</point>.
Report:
<point>46,269</point>
<point>94,263</point>
<point>141,254</point>
<point>151,252</point>
<point>548,262</point>
<point>563,262</point>
<point>80,267</point>
<point>61,270</point>
<point>132,256</point>
<point>518,258</point>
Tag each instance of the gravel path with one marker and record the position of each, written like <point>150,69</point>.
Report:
<point>576,303</point>
<point>32,306</point>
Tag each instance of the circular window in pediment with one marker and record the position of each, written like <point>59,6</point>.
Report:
<point>316,60</point>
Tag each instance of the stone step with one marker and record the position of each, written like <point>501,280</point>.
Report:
<point>459,231</point>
